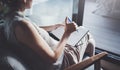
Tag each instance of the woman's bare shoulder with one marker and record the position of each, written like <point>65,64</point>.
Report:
<point>24,31</point>
<point>23,24</point>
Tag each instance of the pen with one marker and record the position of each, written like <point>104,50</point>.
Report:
<point>70,21</point>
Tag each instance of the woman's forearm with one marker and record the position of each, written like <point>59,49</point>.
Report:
<point>48,28</point>
<point>61,45</point>
<point>52,27</point>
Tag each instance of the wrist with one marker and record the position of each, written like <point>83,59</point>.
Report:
<point>67,33</point>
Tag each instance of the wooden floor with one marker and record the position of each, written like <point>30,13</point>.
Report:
<point>105,30</point>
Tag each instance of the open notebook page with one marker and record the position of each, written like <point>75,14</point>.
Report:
<point>74,38</point>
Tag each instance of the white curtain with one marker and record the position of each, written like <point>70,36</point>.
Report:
<point>109,8</point>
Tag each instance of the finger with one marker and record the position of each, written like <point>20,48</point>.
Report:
<point>76,26</point>
<point>66,20</point>
<point>74,23</point>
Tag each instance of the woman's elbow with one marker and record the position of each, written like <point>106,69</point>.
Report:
<point>56,57</point>
<point>52,60</point>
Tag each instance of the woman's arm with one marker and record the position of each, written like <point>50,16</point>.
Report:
<point>52,27</point>
<point>28,35</point>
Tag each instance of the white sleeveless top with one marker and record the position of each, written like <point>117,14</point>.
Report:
<point>10,35</point>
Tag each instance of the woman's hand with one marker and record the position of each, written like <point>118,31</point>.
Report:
<point>70,27</point>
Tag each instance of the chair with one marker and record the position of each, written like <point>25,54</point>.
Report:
<point>10,61</point>
<point>87,62</point>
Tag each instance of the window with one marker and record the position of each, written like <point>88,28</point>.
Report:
<point>104,27</point>
<point>48,12</point>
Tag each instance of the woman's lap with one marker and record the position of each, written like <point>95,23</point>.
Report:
<point>73,55</point>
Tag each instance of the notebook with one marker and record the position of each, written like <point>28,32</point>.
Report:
<point>74,38</point>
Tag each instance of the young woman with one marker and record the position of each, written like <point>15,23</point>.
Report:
<point>54,55</point>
